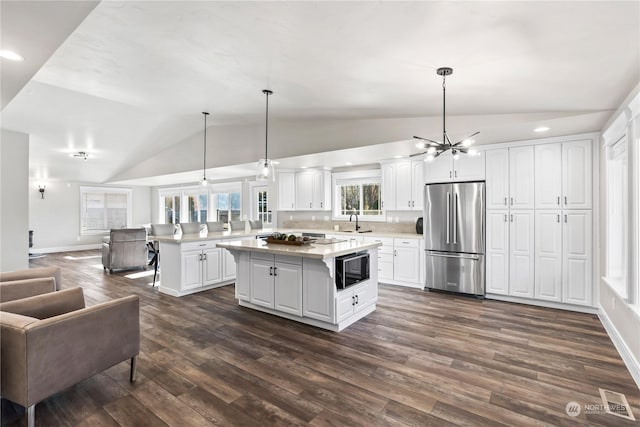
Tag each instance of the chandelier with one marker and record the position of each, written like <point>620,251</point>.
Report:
<point>436,148</point>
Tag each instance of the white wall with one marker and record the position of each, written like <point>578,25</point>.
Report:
<point>55,221</point>
<point>14,202</point>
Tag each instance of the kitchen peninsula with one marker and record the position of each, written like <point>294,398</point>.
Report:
<point>299,282</point>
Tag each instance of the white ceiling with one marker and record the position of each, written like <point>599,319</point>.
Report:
<point>130,82</point>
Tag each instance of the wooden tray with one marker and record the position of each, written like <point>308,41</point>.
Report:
<point>287,242</point>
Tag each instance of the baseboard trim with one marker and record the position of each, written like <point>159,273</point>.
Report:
<point>65,248</point>
<point>542,303</point>
<point>630,362</point>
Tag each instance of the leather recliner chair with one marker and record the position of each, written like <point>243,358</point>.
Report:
<point>125,248</point>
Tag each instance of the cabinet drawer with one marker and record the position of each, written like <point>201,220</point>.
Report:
<point>407,243</point>
<point>190,246</point>
<point>387,243</point>
<point>295,260</point>
<point>262,255</point>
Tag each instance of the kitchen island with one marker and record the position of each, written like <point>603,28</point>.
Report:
<point>299,282</point>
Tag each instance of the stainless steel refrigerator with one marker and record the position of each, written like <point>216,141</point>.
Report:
<point>454,235</point>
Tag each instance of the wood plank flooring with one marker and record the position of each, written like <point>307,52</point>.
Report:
<point>421,359</point>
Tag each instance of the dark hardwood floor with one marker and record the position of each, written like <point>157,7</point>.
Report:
<point>421,359</point>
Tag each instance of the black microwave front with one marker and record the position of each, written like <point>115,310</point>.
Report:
<point>352,269</point>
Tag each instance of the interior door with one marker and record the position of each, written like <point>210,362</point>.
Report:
<point>260,204</point>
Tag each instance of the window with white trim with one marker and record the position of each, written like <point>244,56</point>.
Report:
<point>617,211</point>
<point>170,208</point>
<point>358,193</point>
<point>104,208</point>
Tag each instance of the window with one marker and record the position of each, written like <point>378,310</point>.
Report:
<point>103,208</point>
<point>170,207</point>
<point>227,206</point>
<point>358,193</point>
<point>617,216</point>
<point>197,207</point>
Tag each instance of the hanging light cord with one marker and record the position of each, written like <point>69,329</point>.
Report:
<point>444,110</point>
<point>204,161</point>
<point>266,127</point>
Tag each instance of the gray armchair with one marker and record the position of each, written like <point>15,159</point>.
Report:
<point>51,342</point>
<point>26,283</point>
<point>125,248</point>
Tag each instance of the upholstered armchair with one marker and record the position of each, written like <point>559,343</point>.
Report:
<point>125,248</point>
<point>26,283</point>
<point>50,342</point>
<point>190,227</point>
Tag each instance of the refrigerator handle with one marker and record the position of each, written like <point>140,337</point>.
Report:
<point>455,218</point>
<point>448,213</point>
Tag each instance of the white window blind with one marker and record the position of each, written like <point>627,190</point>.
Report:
<point>102,209</point>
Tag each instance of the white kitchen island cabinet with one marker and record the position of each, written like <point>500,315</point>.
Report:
<point>298,282</point>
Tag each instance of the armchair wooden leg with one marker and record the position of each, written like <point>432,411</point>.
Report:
<point>31,416</point>
<point>134,369</point>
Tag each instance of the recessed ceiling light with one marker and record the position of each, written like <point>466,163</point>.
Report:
<point>303,167</point>
<point>348,163</point>
<point>541,129</point>
<point>397,157</point>
<point>8,54</point>
<point>80,155</point>
<point>275,162</point>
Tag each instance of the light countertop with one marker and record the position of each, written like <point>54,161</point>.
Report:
<point>312,250</point>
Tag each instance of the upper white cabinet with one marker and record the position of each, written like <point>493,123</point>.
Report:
<point>286,191</point>
<point>563,175</point>
<point>403,185</point>
<point>465,168</point>
<point>521,182</point>
<point>313,190</point>
<point>510,181</point>
<point>576,174</point>
<point>548,176</point>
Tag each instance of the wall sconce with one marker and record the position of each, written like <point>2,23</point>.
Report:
<point>41,190</point>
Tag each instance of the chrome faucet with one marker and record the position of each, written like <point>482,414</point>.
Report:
<point>351,216</point>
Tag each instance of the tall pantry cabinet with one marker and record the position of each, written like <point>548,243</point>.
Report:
<point>539,222</point>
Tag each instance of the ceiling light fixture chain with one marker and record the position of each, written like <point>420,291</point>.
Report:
<point>204,160</point>
<point>438,147</point>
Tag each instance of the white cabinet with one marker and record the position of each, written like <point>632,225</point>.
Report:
<point>313,190</point>
<point>201,267</point>
<point>388,189</point>
<point>548,176</point>
<point>354,299</point>
<point>577,174</point>
<point>286,191</point>
<point>406,262</point>
<point>445,168</point>
<point>385,257</point>
<point>403,185</point>
<point>521,253</point>
<point>497,186</point>
<point>548,258</point>
<point>277,284</point>
<point>497,252</point>
<point>521,181</point>
<point>576,257</point>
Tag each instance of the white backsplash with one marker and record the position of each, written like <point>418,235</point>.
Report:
<point>397,221</point>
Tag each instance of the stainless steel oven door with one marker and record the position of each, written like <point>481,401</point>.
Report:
<point>455,272</point>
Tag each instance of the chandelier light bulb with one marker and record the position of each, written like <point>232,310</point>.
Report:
<point>420,145</point>
<point>473,152</point>
<point>431,150</point>
<point>467,142</point>
<point>429,158</point>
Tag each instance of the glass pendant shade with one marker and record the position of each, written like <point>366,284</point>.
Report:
<point>265,170</point>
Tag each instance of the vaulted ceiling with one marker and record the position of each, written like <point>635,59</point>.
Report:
<point>128,82</point>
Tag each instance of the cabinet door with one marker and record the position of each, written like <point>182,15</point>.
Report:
<point>321,190</point>
<point>439,169</point>
<point>498,252</point>
<point>228,266</point>
<point>388,187</point>
<point>406,264</point>
<point>469,167</point>
<point>262,283</point>
<point>403,186</point>
<point>363,297</point>
<point>191,269</point>
<point>497,171</point>
<point>345,305</point>
<point>304,191</point>
<point>548,259</point>
<point>288,288</point>
<point>548,176</point>
<point>211,266</point>
<point>417,183</point>
<point>385,267</point>
<point>286,191</point>
<point>577,259</point>
<point>521,248</point>
<point>576,174</point>
<point>521,183</point>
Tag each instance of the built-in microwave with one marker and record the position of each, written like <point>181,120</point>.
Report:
<point>352,269</point>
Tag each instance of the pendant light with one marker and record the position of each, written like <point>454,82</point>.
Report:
<point>265,166</point>
<point>436,147</point>
<point>205,181</point>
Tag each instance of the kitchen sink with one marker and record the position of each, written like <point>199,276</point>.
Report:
<point>359,231</point>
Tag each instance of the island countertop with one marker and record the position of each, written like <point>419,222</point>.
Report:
<point>312,250</point>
